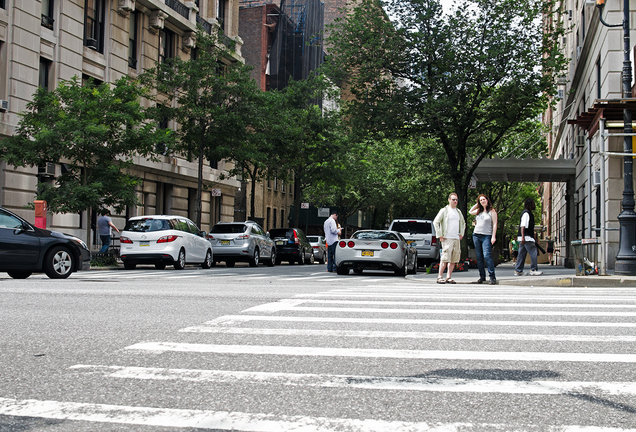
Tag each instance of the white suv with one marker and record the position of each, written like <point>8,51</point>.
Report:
<point>164,240</point>
<point>421,234</point>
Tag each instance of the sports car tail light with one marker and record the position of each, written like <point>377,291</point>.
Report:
<point>351,244</point>
<point>384,245</point>
<point>343,243</point>
<point>243,237</point>
<point>316,247</point>
<point>434,241</point>
<point>125,240</point>
<point>394,245</point>
<point>210,237</point>
<point>296,241</point>
<point>167,239</point>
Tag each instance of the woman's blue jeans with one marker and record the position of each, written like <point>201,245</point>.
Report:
<point>483,247</point>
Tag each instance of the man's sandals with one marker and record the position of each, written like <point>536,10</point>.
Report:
<point>450,281</point>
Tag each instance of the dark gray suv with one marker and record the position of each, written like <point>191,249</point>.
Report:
<point>241,241</point>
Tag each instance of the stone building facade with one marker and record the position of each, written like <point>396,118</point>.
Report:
<point>589,204</point>
<point>42,42</point>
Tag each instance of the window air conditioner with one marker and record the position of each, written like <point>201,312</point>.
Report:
<point>580,141</point>
<point>596,178</point>
<point>91,43</point>
<point>47,170</point>
<point>4,105</point>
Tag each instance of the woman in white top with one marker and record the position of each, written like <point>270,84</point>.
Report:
<point>484,236</point>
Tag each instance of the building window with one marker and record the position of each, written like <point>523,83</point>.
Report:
<point>214,164</point>
<point>598,79</point>
<point>598,212</point>
<point>282,218</point>
<point>94,25</point>
<point>274,219</point>
<point>275,183</point>
<point>47,14</point>
<point>221,15</point>
<point>132,40</point>
<point>45,68</point>
<point>2,4</point>
<point>268,220</point>
<point>166,45</point>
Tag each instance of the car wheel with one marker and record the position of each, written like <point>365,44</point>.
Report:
<point>402,271</point>
<point>229,263</point>
<point>414,271</point>
<point>301,258</point>
<point>58,263</point>
<point>179,264</point>
<point>208,260</point>
<point>129,266</point>
<point>322,259</point>
<point>272,259</point>
<point>19,274</point>
<point>342,270</point>
<point>255,258</point>
<point>160,266</point>
<point>312,260</point>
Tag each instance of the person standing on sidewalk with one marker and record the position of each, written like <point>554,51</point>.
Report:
<point>484,236</point>
<point>526,240</point>
<point>449,227</point>
<point>331,236</point>
<point>104,226</point>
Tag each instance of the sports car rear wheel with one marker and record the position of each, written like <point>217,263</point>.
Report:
<point>342,270</point>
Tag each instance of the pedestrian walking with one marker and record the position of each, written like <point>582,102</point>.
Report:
<point>105,226</point>
<point>331,235</point>
<point>550,249</point>
<point>527,246</point>
<point>450,227</point>
<point>484,236</point>
<point>514,243</point>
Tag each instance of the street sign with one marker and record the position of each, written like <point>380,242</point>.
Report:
<point>304,206</point>
<point>215,192</point>
<point>323,212</point>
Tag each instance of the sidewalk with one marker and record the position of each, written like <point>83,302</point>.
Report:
<point>556,276</point>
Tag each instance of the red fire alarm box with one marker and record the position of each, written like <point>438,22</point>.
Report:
<point>40,214</point>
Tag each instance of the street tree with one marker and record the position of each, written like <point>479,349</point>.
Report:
<point>94,131</point>
<point>211,98</point>
<point>466,79</point>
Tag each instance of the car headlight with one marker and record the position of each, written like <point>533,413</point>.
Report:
<point>80,242</point>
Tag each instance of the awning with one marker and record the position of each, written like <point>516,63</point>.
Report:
<point>525,170</point>
<point>610,109</point>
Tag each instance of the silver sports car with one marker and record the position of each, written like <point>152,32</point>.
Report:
<point>376,250</point>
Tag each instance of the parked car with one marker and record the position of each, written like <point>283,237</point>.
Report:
<point>26,249</point>
<point>376,250</point>
<point>241,241</point>
<point>164,240</point>
<point>319,246</point>
<point>421,234</point>
<point>292,246</point>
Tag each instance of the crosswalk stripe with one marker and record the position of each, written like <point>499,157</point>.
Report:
<point>396,294</point>
<point>482,304</point>
<point>230,319</point>
<point>223,420</point>
<point>293,306</point>
<point>383,353</point>
<point>406,335</point>
<point>421,384</point>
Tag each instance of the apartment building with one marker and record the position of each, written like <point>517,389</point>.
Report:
<point>42,42</point>
<point>587,206</point>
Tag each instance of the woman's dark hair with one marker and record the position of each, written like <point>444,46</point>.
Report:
<point>529,203</point>
<point>481,208</point>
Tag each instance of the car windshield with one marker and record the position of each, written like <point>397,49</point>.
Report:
<point>280,233</point>
<point>412,227</point>
<point>147,225</point>
<point>312,239</point>
<point>374,235</point>
<point>228,229</point>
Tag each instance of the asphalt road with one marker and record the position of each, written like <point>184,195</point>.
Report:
<point>293,348</point>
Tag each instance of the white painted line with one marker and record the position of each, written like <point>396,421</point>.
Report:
<point>382,353</point>
<point>424,384</point>
<point>472,296</point>
<point>406,335</point>
<point>287,279</point>
<point>181,277</point>
<point>290,306</point>
<point>474,304</point>
<point>233,319</point>
<point>253,422</point>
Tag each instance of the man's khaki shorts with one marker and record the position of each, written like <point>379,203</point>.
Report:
<point>451,251</point>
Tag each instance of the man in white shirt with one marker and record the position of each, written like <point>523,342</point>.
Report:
<point>331,236</point>
<point>526,240</point>
<point>449,229</point>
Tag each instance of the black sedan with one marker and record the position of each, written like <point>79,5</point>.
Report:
<point>25,249</point>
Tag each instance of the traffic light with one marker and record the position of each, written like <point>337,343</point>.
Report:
<point>600,3</point>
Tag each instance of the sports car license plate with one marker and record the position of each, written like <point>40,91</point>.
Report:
<point>280,243</point>
<point>367,253</point>
<point>410,241</point>
<point>225,242</point>
<point>144,243</point>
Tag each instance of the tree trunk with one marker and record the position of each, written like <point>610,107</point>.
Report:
<point>197,210</point>
<point>297,198</point>
<point>253,197</point>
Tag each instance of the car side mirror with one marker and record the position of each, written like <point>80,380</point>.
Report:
<point>268,235</point>
<point>204,234</point>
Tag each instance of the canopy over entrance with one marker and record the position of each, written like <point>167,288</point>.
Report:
<point>525,170</point>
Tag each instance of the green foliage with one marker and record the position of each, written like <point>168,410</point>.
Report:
<point>468,80</point>
<point>213,100</point>
<point>94,131</point>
